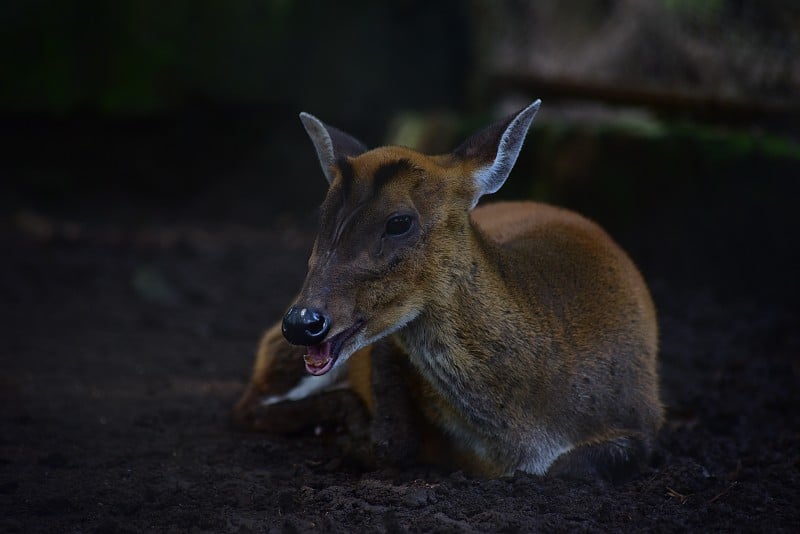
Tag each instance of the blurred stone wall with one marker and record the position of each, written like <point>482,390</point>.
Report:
<point>733,49</point>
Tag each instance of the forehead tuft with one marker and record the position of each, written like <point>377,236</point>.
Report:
<point>368,174</point>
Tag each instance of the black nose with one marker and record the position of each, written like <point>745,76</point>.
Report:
<point>305,326</point>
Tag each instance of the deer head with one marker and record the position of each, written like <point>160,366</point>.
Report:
<point>393,233</point>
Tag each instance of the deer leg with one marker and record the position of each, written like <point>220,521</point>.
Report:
<point>282,398</point>
<point>615,460</point>
<point>395,430</point>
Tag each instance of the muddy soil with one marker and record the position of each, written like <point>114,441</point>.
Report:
<point>128,332</point>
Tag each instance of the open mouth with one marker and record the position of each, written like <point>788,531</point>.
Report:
<point>321,358</point>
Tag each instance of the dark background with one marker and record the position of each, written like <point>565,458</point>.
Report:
<point>157,204</point>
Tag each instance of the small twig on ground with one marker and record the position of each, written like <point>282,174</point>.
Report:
<point>723,493</point>
<point>680,496</point>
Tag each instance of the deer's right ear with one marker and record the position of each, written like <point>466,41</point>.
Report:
<point>330,143</point>
<point>494,150</point>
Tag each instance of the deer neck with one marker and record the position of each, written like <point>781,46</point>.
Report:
<point>473,338</point>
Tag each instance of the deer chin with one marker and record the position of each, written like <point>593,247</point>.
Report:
<point>323,357</point>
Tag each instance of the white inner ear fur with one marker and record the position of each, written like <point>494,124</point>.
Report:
<point>322,143</point>
<point>491,178</point>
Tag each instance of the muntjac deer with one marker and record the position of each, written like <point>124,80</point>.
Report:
<point>518,333</point>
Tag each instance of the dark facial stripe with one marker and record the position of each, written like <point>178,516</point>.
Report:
<point>344,222</point>
<point>334,214</point>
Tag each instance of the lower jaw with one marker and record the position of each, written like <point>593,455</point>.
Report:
<point>318,370</point>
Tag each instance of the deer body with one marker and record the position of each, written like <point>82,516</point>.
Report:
<point>531,335</point>
<point>536,367</point>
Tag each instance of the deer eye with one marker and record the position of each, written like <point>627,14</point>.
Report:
<point>398,225</point>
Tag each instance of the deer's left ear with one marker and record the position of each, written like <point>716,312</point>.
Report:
<point>494,150</point>
<point>331,143</point>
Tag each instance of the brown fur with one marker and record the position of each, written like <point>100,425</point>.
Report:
<point>530,336</point>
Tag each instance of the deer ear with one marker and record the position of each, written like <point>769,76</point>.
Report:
<point>494,150</point>
<point>331,143</point>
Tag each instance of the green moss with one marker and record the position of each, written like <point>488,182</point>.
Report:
<point>703,10</point>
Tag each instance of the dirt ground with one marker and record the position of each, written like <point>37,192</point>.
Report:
<point>128,332</point>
